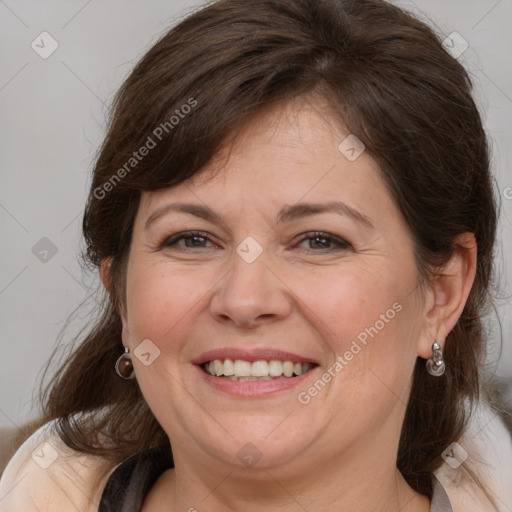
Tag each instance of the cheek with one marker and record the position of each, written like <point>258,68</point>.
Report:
<point>371,318</point>
<point>351,304</point>
<point>160,303</point>
<point>369,324</point>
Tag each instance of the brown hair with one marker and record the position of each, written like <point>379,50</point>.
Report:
<point>390,82</point>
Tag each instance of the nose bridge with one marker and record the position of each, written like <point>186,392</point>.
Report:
<point>250,291</point>
<point>247,284</point>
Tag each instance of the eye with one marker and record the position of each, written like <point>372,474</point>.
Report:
<point>325,241</point>
<point>192,239</point>
<point>318,241</point>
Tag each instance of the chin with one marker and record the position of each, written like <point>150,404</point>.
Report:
<point>257,447</point>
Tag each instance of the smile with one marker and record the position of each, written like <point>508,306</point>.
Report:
<point>241,370</point>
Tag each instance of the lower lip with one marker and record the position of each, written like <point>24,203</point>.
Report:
<point>253,388</point>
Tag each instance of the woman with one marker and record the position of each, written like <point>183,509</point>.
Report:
<point>293,217</point>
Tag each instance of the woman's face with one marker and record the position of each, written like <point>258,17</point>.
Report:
<point>271,280</point>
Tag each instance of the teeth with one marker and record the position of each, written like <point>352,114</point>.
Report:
<point>258,370</point>
<point>276,368</point>
<point>229,367</point>
<point>246,379</point>
<point>288,368</point>
<point>242,368</point>
<point>218,366</point>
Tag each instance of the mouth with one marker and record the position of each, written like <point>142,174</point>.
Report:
<point>253,372</point>
<point>241,370</point>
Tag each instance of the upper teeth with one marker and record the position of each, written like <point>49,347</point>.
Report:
<point>241,368</point>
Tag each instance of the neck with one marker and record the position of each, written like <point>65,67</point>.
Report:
<point>340,483</point>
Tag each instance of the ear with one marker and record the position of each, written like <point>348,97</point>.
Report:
<point>105,275</point>
<point>106,279</point>
<point>448,294</point>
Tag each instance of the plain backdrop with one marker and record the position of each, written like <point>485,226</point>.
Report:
<point>53,112</point>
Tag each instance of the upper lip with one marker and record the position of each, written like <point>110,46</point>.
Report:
<point>251,355</point>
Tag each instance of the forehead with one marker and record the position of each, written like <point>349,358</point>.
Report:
<point>283,154</point>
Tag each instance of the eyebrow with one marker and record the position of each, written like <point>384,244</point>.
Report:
<point>286,214</point>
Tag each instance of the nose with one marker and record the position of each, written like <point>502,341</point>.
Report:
<point>250,294</point>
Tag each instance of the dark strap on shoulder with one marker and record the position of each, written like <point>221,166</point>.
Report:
<point>131,481</point>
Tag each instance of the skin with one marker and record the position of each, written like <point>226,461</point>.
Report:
<point>337,452</point>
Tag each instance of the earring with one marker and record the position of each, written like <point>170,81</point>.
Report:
<point>124,365</point>
<point>435,365</point>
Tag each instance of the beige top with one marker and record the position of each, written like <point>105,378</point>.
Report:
<point>44,474</point>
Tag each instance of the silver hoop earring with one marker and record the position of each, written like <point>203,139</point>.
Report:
<point>435,365</point>
<point>124,365</point>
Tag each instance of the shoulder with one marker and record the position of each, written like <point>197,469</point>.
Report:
<point>484,450</point>
<point>45,474</point>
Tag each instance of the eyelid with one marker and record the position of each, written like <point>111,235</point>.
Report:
<point>342,243</point>
<point>184,235</point>
<point>323,234</point>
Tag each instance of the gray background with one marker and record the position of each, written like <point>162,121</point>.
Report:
<point>52,115</point>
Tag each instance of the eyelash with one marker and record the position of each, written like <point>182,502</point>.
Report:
<point>188,235</point>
